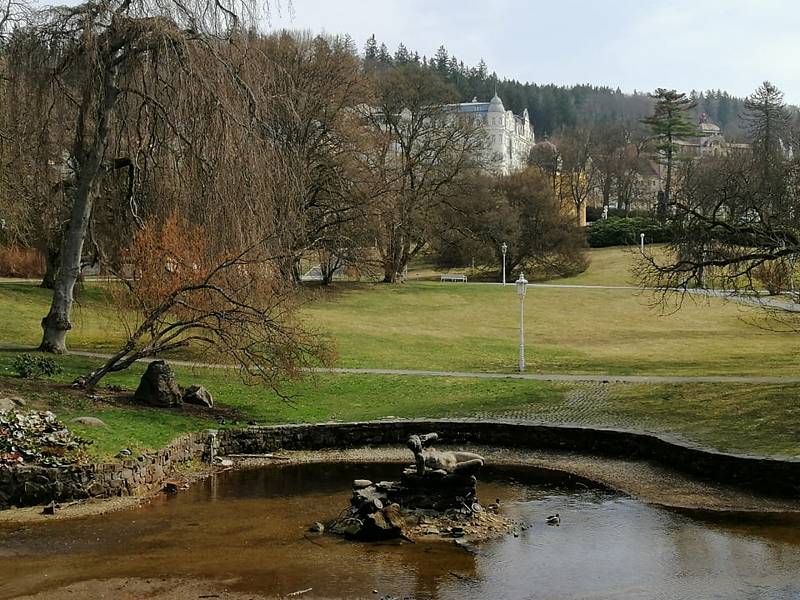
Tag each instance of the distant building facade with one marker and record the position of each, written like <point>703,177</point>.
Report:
<point>710,142</point>
<point>509,137</point>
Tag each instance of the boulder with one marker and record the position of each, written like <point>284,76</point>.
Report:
<point>11,403</point>
<point>394,517</point>
<point>197,394</point>
<point>158,386</point>
<point>377,527</point>
<point>89,421</point>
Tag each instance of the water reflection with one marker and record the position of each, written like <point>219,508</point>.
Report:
<point>248,527</point>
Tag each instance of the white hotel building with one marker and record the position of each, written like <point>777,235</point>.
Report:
<point>509,137</point>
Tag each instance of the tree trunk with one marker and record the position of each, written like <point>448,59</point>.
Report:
<point>56,324</point>
<point>663,207</point>
<point>89,158</point>
<point>607,191</point>
<point>52,261</point>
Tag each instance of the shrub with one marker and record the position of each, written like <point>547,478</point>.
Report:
<point>776,276</point>
<point>30,365</point>
<point>625,232</point>
<point>20,262</point>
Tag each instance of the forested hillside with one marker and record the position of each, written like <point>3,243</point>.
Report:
<point>553,107</point>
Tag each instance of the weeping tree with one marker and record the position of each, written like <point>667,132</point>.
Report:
<point>307,98</point>
<point>98,57</point>
<point>205,268</point>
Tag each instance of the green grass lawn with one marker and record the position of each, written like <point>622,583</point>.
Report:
<point>607,266</point>
<point>475,327</point>
<point>429,325</point>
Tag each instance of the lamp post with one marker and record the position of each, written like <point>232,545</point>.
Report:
<point>522,287</point>
<point>641,243</point>
<point>503,248</point>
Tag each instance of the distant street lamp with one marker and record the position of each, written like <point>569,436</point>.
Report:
<point>504,247</point>
<point>641,243</point>
<point>522,287</point>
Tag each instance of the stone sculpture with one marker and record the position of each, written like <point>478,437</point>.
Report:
<point>465,463</point>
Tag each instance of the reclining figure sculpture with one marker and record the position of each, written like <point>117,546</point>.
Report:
<point>462,463</point>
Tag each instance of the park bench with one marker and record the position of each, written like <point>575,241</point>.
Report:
<point>453,277</point>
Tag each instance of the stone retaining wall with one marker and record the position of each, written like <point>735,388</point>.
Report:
<point>772,476</point>
<point>32,485</point>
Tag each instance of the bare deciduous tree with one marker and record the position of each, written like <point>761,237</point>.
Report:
<point>229,302</point>
<point>423,152</point>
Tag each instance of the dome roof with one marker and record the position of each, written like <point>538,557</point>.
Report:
<point>496,105</point>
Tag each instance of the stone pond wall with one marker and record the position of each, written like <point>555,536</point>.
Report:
<point>773,476</point>
<point>139,476</point>
<point>25,486</point>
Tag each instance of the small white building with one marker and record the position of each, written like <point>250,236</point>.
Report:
<point>509,137</point>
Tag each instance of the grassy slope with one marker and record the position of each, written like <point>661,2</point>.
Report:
<point>742,418</point>
<point>475,327</point>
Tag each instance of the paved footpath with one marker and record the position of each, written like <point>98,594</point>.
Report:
<point>557,377</point>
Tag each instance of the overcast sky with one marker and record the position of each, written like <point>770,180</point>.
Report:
<point>634,44</point>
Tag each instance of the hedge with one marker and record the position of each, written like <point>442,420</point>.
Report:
<point>625,231</point>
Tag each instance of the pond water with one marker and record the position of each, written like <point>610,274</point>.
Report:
<point>248,528</point>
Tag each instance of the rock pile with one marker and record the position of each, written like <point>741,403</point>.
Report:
<point>37,438</point>
<point>436,495</point>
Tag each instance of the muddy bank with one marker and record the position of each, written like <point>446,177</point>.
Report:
<point>131,588</point>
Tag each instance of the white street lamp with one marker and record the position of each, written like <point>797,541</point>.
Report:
<point>522,287</point>
<point>641,243</point>
<point>504,247</point>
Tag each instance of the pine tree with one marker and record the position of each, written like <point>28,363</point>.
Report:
<point>402,56</point>
<point>383,55</point>
<point>668,124</point>
<point>371,49</point>
<point>481,71</point>
<point>768,121</point>
<point>441,59</point>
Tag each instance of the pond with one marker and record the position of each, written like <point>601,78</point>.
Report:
<point>248,529</point>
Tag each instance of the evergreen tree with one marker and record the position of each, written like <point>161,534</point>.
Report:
<point>768,122</point>
<point>402,56</point>
<point>383,55</point>
<point>441,59</point>
<point>668,124</point>
<point>371,49</point>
